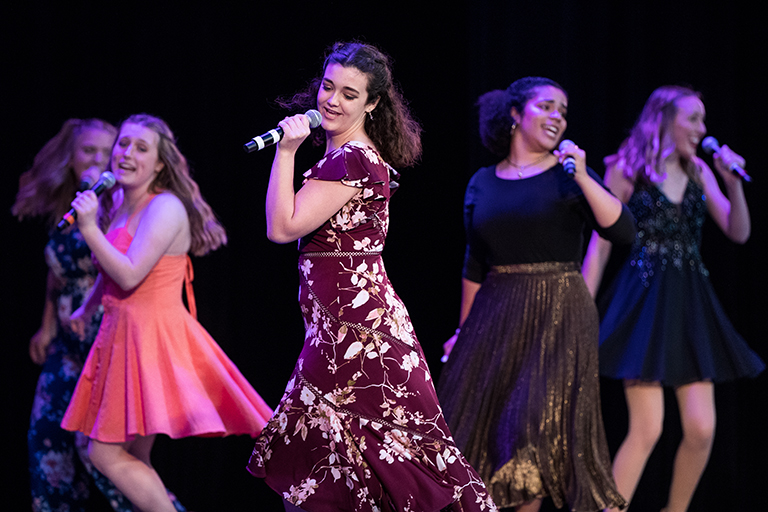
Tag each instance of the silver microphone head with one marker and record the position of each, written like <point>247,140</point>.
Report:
<point>314,118</point>
<point>564,144</point>
<point>108,179</point>
<point>710,145</point>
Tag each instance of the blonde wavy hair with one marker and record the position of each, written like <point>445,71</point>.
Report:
<point>207,232</point>
<point>49,186</point>
<point>641,155</point>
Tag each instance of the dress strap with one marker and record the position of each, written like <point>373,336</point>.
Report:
<point>189,275</point>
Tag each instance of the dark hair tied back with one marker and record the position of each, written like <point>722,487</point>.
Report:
<point>495,107</point>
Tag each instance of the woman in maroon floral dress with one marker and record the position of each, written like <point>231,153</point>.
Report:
<point>359,427</point>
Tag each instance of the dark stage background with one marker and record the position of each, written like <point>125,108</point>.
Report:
<point>212,70</point>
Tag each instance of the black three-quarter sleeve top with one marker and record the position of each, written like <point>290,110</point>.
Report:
<point>541,218</point>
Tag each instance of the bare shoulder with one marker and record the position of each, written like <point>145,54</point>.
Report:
<point>167,209</point>
<point>617,181</point>
<point>166,203</point>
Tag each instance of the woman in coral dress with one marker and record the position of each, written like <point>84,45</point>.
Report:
<point>153,368</point>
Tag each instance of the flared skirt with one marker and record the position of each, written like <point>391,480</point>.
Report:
<point>521,393</point>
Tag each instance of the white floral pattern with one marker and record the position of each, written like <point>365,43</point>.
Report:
<point>359,427</point>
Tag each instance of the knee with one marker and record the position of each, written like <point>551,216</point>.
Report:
<point>646,433</point>
<point>699,433</point>
<point>97,457</point>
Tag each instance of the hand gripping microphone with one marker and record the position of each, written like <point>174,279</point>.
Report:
<point>274,136</point>
<point>710,146</point>
<point>106,181</point>
<point>569,164</point>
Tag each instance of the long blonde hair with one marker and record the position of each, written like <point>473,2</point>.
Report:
<point>49,186</point>
<point>207,232</point>
<point>641,154</point>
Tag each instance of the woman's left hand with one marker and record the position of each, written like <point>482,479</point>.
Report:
<point>579,157</point>
<point>86,204</point>
<point>723,161</point>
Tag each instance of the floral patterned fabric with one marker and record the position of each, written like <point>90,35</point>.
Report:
<point>359,427</point>
<point>60,471</point>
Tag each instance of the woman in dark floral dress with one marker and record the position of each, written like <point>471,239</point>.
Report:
<point>359,427</point>
<point>59,478</point>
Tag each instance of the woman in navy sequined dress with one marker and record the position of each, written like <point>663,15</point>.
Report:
<point>662,324</point>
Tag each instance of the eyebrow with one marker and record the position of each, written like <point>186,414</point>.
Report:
<point>138,139</point>
<point>346,88</point>
<point>552,100</point>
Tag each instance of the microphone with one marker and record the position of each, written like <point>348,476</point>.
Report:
<point>89,176</point>
<point>86,183</point>
<point>274,136</point>
<point>569,164</point>
<point>710,146</point>
<point>106,181</point>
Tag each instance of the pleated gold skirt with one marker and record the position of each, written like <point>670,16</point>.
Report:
<point>521,390</point>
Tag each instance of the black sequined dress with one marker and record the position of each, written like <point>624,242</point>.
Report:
<point>661,320</point>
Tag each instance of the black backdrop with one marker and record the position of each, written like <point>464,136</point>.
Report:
<point>212,70</point>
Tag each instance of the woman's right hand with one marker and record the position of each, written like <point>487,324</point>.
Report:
<point>86,204</point>
<point>448,347</point>
<point>295,130</point>
<point>39,343</point>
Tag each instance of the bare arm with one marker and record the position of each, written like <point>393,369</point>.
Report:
<point>605,207</point>
<point>290,214</point>
<point>38,344</point>
<point>163,229</point>
<point>469,290</point>
<point>729,212</point>
<point>599,249</point>
<point>87,309</point>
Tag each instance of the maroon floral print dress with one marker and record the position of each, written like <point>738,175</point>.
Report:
<point>359,427</point>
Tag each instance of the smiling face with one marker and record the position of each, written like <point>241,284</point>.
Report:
<point>135,159</point>
<point>542,122</point>
<point>91,154</point>
<point>342,99</point>
<point>687,128</point>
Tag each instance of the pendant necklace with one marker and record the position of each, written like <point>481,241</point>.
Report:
<point>522,168</point>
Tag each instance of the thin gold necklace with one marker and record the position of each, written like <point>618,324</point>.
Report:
<point>522,168</point>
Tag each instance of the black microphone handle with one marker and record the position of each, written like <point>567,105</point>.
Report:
<point>103,184</point>
<point>258,143</point>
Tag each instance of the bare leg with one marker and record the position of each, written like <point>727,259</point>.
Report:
<point>645,402</point>
<point>531,506</point>
<point>128,466</point>
<point>697,416</point>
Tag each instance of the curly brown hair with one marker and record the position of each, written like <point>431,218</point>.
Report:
<point>394,131</point>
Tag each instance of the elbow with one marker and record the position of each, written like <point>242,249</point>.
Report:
<point>280,236</point>
<point>129,281</point>
<point>127,284</point>
<point>740,238</point>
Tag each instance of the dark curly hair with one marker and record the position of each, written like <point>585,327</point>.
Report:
<point>494,109</point>
<point>396,134</point>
